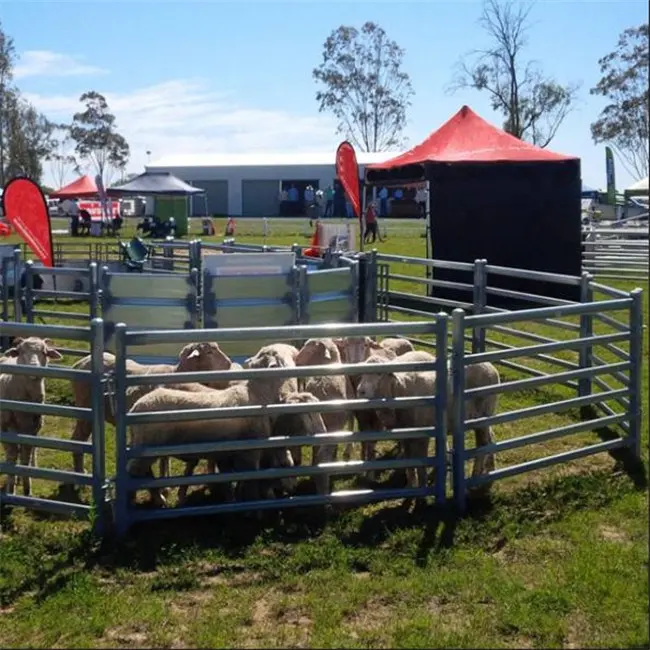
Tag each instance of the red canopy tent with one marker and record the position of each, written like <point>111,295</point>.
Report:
<point>467,138</point>
<point>495,197</point>
<point>83,188</point>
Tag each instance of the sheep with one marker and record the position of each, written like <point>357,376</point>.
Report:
<point>404,384</point>
<point>302,424</point>
<point>476,376</point>
<point>287,355</point>
<point>31,351</point>
<point>356,350</point>
<point>193,357</point>
<point>330,387</point>
<point>255,391</point>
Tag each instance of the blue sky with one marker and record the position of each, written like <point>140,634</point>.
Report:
<point>210,76</point>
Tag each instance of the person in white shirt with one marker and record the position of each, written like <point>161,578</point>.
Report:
<point>421,200</point>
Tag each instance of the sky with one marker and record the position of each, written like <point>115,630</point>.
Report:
<point>235,76</point>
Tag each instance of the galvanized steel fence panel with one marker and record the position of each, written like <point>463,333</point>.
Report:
<point>98,509</point>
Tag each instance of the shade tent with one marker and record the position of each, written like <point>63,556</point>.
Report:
<point>155,184</point>
<point>495,197</point>
<point>165,187</point>
<point>640,188</point>
<point>83,188</point>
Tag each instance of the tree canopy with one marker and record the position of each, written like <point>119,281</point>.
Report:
<point>363,85</point>
<point>533,105</point>
<point>97,141</point>
<point>624,122</point>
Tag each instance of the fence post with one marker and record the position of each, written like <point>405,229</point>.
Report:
<point>302,295</point>
<point>457,399</point>
<point>441,400</point>
<point>18,312</point>
<point>354,298</point>
<point>586,331</point>
<point>98,415</point>
<point>636,369</point>
<point>480,301</point>
<point>92,289</point>
<point>370,289</point>
<point>194,302</point>
<point>29,291</point>
<point>121,512</point>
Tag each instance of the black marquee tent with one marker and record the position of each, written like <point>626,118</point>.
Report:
<point>494,197</point>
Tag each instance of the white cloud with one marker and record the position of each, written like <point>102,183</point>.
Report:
<point>44,63</point>
<point>187,117</point>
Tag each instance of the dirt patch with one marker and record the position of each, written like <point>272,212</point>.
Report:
<point>371,616</point>
<point>210,575</point>
<point>190,602</point>
<point>578,629</point>
<point>128,636</point>
<point>613,534</point>
<point>449,616</point>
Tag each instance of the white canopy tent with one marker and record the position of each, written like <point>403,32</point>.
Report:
<point>640,188</point>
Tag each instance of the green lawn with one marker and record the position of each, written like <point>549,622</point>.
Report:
<point>556,558</point>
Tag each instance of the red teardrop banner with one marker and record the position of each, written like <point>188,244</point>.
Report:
<point>347,172</point>
<point>26,209</point>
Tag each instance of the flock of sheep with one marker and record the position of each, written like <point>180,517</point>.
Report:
<point>255,391</point>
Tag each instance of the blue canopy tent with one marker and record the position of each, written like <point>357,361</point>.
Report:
<point>589,192</point>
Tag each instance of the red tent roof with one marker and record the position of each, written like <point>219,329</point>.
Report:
<point>83,187</point>
<point>466,137</point>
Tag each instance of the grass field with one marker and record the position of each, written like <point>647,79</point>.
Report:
<point>557,558</point>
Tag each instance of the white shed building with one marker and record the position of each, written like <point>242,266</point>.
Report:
<point>250,184</point>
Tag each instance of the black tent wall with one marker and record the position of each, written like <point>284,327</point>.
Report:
<point>521,215</point>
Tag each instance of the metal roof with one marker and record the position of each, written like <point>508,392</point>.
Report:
<point>263,159</point>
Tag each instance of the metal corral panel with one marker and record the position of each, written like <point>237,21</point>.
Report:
<point>331,295</point>
<point>260,198</point>
<point>248,290</point>
<point>217,192</point>
<point>249,263</point>
<point>144,301</point>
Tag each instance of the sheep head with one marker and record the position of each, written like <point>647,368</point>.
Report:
<point>267,359</point>
<point>317,352</point>
<point>378,385</point>
<point>197,357</point>
<point>33,351</point>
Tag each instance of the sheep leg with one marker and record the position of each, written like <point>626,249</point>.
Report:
<point>485,462</point>
<point>81,433</point>
<point>190,466</point>
<point>11,457</point>
<point>323,454</point>
<point>28,458</point>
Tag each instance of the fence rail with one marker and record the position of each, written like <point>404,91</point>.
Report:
<point>616,253</point>
<point>590,349</point>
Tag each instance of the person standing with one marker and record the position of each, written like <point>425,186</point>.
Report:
<point>71,210</point>
<point>383,202</point>
<point>329,201</point>
<point>371,224</point>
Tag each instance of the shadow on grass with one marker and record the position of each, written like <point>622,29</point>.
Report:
<point>624,457</point>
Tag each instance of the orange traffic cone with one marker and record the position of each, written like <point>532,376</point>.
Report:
<point>314,250</point>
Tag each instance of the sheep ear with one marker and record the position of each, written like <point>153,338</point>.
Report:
<point>11,352</point>
<point>193,353</point>
<point>328,354</point>
<point>53,354</point>
<point>18,340</point>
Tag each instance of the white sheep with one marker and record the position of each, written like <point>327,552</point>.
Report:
<point>476,376</point>
<point>404,384</point>
<point>262,391</point>
<point>316,352</point>
<point>194,357</point>
<point>286,355</point>
<point>31,351</point>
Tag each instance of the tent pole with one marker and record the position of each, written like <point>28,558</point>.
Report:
<point>427,229</point>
